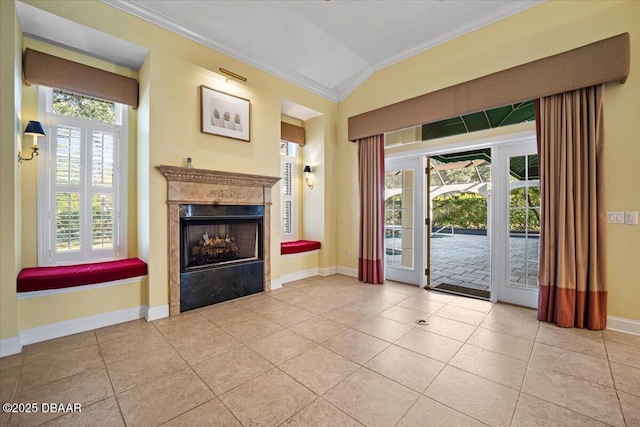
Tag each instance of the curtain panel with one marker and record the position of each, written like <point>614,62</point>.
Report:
<point>572,265</point>
<point>371,183</point>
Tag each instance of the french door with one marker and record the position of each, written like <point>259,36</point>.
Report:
<point>506,244</point>
<point>404,223</point>
<point>459,233</point>
<point>516,188</point>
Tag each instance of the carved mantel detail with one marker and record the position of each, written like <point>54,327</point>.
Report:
<point>225,194</point>
<point>209,187</point>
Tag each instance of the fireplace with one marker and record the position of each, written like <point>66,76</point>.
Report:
<point>219,235</point>
<point>221,256</point>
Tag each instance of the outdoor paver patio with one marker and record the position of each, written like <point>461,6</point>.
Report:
<point>465,260</point>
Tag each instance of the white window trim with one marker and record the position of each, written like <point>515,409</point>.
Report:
<point>295,195</point>
<point>44,163</point>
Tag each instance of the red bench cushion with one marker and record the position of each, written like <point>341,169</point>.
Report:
<point>42,278</point>
<point>298,246</point>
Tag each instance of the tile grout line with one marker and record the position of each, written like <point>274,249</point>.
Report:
<point>113,389</point>
<point>565,374</point>
<point>362,297</point>
<point>524,377</point>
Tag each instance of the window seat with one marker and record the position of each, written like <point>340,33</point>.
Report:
<point>298,246</point>
<point>68,276</point>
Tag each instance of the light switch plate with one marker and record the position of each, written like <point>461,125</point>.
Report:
<point>631,218</point>
<point>615,217</point>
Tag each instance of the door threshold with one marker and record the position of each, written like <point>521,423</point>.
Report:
<point>461,291</point>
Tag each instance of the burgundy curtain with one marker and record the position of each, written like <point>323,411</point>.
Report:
<point>371,180</point>
<point>572,265</point>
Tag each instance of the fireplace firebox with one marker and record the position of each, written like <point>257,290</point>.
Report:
<point>220,253</point>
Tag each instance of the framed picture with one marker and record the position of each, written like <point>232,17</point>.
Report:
<point>224,114</point>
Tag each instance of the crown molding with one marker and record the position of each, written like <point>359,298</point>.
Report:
<point>143,12</point>
<point>354,84</point>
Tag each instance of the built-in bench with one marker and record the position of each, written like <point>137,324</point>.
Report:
<point>298,246</point>
<point>68,276</point>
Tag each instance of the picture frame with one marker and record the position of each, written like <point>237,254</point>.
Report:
<point>224,114</point>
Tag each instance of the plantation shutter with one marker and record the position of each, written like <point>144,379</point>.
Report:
<point>287,192</point>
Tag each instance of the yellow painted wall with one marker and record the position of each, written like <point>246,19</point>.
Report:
<point>312,223</point>
<point>540,31</point>
<point>10,178</point>
<point>299,262</point>
<point>44,310</point>
<point>166,128</point>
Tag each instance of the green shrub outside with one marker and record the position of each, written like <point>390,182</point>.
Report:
<point>469,210</point>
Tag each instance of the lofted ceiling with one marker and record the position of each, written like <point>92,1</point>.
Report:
<point>327,47</point>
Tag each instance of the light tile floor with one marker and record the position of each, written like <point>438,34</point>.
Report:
<point>333,352</point>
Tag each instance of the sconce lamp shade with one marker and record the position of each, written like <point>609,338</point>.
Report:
<point>307,169</point>
<point>34,128</point>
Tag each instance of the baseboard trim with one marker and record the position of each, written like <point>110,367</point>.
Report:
<point>620,324</point>
<point>155,313</point>
<point>276,284</point>
<point>70,327</point>
<point>298,275</point>
<point>10,346</point>
<point>353,272</point>
<point>328,271</point>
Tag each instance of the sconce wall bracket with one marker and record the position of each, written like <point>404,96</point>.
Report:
<point>26,159</point>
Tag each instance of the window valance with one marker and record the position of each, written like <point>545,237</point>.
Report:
<point>292,133</point>
<point>604,61</point>
<point>52,71</point>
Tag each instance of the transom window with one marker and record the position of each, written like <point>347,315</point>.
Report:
<point>82,192</point>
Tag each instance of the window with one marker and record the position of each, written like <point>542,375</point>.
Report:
<point>290,176</point>
<point>82,192</point>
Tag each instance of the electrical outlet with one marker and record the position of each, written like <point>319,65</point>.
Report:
<point>631,218</point>
<point>349,254</point>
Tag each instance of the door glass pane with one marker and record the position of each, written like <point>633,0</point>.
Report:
<point>399,219</point>
<point>532,274</point>
<point>524,221</point>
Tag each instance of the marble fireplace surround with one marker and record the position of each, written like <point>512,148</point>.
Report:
<point>190,186</point>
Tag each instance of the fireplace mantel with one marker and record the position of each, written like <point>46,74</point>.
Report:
<point>210,187</point>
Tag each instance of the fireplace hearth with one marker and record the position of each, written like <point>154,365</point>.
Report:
<point>219,235</point>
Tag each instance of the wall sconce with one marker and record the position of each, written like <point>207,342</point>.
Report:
<point>232,75</point>
<point>33,128</point>
<point>307,171</point>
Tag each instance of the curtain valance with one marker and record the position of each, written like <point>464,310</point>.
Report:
<point>600,62</point>
<point>52,71</point>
